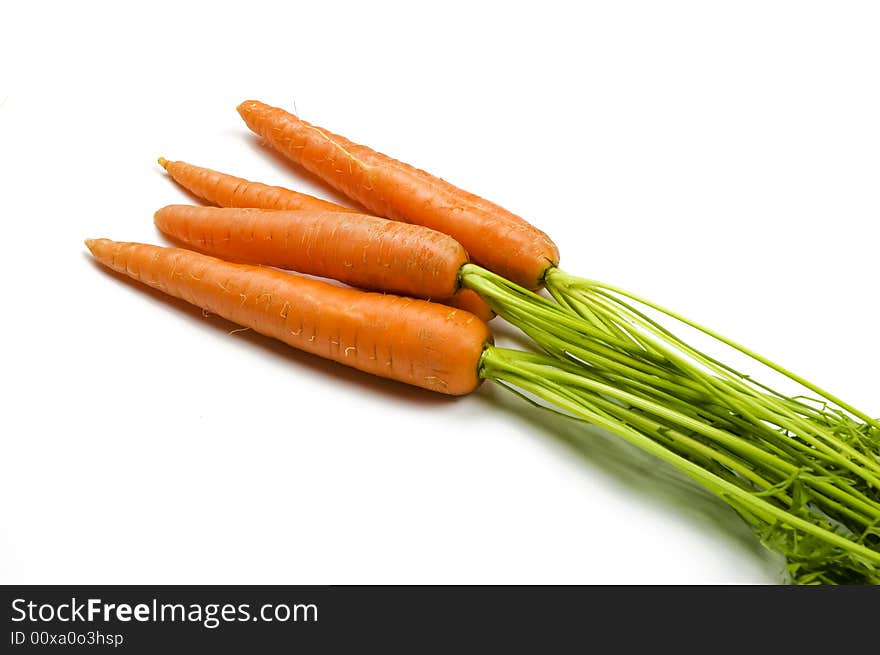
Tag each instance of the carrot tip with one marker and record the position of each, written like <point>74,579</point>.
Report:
<point>248,106</point>
<point>163,162</point>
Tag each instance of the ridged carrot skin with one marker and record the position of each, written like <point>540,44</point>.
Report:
<point>413,341</point>
<point>364,251</point>
<point>470,301</point>
<point>229,191</point>
<point>494,237</point>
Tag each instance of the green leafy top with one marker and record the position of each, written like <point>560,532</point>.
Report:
<point>803,472</point>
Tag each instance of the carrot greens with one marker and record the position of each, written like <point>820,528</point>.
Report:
<point>803,472</point>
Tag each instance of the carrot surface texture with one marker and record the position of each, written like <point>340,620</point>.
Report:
<point>405,339</point>
<point>360,250</point>
<point>494,237</point>
<point>293,242</point>
<point>226,190</point>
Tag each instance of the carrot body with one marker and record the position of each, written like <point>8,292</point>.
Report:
<point>470,301</point>
<point>229,191</point>
<point>413,341</point>
<point>364,251</point>
<point>494,237</point>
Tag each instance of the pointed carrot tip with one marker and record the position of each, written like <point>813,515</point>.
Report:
<point>163,163</point>
<point>247,105</point>
<point>91,244</point>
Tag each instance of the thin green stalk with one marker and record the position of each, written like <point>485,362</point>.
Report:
<point>729,441</point>
<point>821,439</point>
<point>715,335</point>
<point>553,385</point>
<point>655,378</point>
<point>803,473</point>
<point>800,463</point>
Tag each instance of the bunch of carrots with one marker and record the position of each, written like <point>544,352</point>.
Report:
<point>430,264</point>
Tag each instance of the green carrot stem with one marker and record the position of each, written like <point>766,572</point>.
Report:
<point>550,384</point>
<point>575,282</point>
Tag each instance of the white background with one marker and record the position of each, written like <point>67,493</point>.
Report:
<point>721,158</point>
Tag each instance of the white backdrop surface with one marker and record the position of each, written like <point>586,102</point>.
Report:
<point>720,158</point>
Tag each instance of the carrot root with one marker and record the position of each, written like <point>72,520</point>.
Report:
<point>215,187</point>
<point>494,237</point>
<point>226,190</point>
<point>413,341</point>
<point>364,251</point>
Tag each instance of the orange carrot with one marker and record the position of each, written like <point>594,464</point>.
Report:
<point>405,339</point>
<point>470,301</point>
<point>364,251</point>
<point>229,191</point>
<point>494,237</point>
